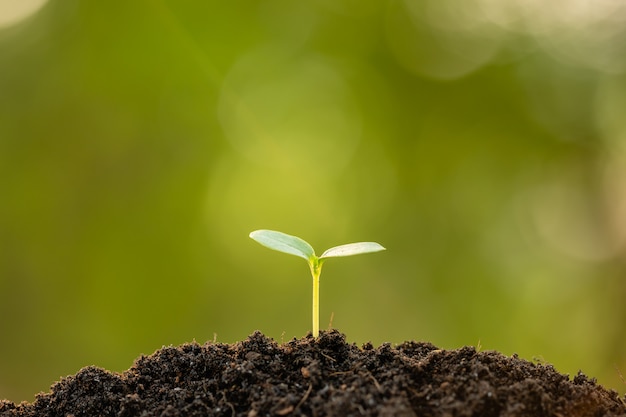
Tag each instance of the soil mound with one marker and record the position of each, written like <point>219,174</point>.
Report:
<point>323,377</point>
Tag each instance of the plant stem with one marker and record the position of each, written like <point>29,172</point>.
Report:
<point>316,270</point>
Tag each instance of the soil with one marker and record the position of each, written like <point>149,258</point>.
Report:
<point>323,377</point>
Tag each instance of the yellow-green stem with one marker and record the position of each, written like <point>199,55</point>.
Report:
<point>316,270</point>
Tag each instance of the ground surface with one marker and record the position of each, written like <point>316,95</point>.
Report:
<point>323,377</point>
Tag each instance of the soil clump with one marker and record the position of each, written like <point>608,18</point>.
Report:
<point>322,377</point>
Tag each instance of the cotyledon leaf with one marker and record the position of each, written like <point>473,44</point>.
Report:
<point>352,249</point>
<point>283,242</point>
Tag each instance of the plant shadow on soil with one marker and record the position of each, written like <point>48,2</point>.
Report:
<point>323,377</point>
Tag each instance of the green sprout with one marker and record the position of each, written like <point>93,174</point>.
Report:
<point>295,246</point>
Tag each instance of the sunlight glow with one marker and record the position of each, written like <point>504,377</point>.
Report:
<point>13,12</point>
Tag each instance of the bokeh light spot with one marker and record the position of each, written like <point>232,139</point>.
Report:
<point>291,113</point>
<point>440,40</point>
<point>13,12</point>
<point>582,33</point>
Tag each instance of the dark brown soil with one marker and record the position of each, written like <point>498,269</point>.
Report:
<point>323,377</point>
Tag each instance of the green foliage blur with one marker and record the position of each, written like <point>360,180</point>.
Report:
<point>482,143</point>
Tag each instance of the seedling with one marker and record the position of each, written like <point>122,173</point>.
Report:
<point>295,246</point>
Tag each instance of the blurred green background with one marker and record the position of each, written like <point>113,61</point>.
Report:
<point>482,142</point>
